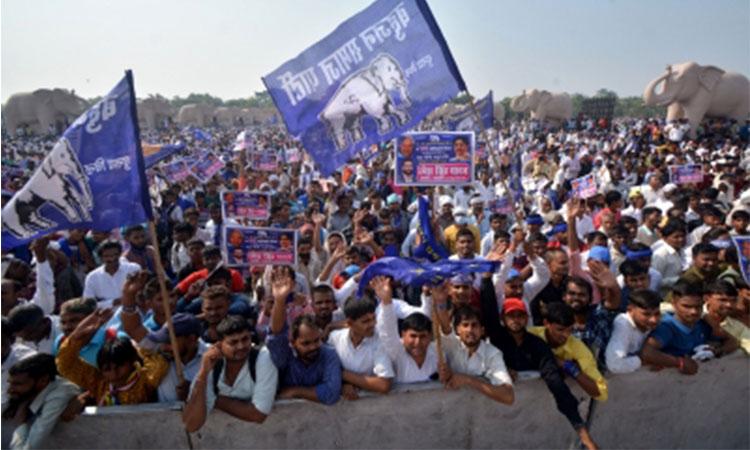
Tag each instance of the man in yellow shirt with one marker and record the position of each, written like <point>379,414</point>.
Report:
<point>573,357</point>
<point>462,222</point>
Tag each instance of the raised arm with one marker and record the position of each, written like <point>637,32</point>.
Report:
<point>69,363</point>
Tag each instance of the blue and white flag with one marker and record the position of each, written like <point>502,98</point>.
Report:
<point>465,119</point>
<point>377,75</point>
<point>94,177</point>
<point>200,135</point>
<point>153,153</point>
<point>430,248</point>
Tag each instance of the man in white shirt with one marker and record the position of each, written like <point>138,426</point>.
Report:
<point>669,259</point>
<point>233,377</point>
<point>471,361</point>
<point>652,191</point>
<point>106,281</point>
<point>12,353</point>
<point>33,328</point>
<point>366,364</point>
<point>630,330</point>
<point>413,355</point>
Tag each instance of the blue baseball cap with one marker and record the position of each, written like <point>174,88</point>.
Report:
<point>461,279</point>
<point>534,219</point>
<point>559,228</point>
<point>512,275</point>
<point>600,253</point>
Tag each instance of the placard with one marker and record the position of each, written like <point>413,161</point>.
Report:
<point>743,253</point>
<point>176,171</point>
<point>687,174</point>
<point>243,206</point>
<point>584,187</point>
<point>206,167</point>
<point>248,246</point>
<point>264,161</point>
<point>434,158</point>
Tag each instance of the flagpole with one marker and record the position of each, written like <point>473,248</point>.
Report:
<point>438,337</point>
<point>165,302</point>
<point>478,118</point>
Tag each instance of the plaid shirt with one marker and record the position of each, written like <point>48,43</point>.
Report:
<point>598,331</point>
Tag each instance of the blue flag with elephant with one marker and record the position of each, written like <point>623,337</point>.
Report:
<point>377,75</point>
<point>466,120</point>
<point>94,176</point>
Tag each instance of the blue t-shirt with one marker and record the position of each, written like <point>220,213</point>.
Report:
<point>677,339</point>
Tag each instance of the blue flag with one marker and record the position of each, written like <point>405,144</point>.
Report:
<point>153,153</point>
<point>515,176</point>
<point>465,119</point>
<point>94,176</point>
<point>414,273</point>
<point>430,248</point>
<point>200,135</point>
<point>377,75</point>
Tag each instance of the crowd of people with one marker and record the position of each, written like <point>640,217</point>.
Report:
<point>643,273</point>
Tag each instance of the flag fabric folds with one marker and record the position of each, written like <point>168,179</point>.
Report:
<point>429,248</point>
<point>415,273</point>
<point>465,119</point>
<point>153,153</point>
<point>94,176</point>
<point>377,75</point>
<point>201,135</point>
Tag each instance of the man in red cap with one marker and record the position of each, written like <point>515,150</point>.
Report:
<point>522,351</point>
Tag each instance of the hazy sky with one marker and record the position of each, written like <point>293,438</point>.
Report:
<point>223,47</point>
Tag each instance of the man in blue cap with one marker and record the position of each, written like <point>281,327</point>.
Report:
<point>534,222</point>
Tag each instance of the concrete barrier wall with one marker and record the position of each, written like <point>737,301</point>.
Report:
<point>645,410</point>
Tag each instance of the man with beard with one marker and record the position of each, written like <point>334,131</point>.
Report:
<point>36,399</point>
<point>139,252</point>
<point>470,360</point>
<point>308,369</point>
<point>522,351</point>
<point>233,377</point>
<point>413,356</point>
<point>705,267</point>
<point>106,281</point>
<point>407,171</point>
<point>324,305</point>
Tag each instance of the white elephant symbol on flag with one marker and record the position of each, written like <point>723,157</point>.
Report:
<point>367,92</point>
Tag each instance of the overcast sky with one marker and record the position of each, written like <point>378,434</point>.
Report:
<point>223,47</point>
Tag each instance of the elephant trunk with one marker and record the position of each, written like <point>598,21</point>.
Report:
<point>651,98</point>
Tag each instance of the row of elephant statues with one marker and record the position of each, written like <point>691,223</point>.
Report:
<point>688,90</point>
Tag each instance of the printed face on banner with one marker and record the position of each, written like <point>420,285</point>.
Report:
<point>244,206</point>
<point>687,174</point>
<point>378,74</point>
<point>246,246</point>
<point>176,171</point>
<point>501,205</point>
<point>207,165</point>
<point>429,159</point>
<point>584,187</point>
<point>265,161</point>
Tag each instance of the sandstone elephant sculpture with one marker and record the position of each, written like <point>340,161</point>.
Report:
<point>43,110</point>
<point>543,105</point>
<point>367,92</point>
<point>198,114</point>
<point>154,112</point>
<point>499,111</point>
<point>228,116</point>
<point>692,91</point>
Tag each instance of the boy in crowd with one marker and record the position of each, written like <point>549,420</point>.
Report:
<point>630,330</point>
<point>233,377</point>
<point>366,364</point>
<point>720,297</point>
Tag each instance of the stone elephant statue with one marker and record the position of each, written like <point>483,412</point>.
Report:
<point>367,93</point>
<point>499,111</point>
<point>43,110</point>
<point>228,116</point>
<point>692,91</point>
<point>543,105</point>
<point>154,112</point>
<point>198,114</point>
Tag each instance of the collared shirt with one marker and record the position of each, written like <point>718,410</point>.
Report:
<point>324,373</point>
<point>105,288</point>
<point>407,370</point>
<point>486,361</point>
<point>624,345</point>
<point>47,344</point>
<point>260,391</point>
<point>598,329</point>
<point>368,358</point>
<point>677,339</point>
<point>45,411</point>
<point>18,351</point>
<point>167,391</point>
<point>668,262</point>
<point>575,350</point>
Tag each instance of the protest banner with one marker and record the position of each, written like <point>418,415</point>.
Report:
<point>243,206</point>
<point>687,174</point>
<point>429,159</point>
<point>501,205</point>
<point>264,161</point>
<point>377,75</point>
<point>94,176</point>
<point>207,165</point>
<point>584,187</point>
<point>176,171</point>
<point>247,246</point>
<point>743,252</point>
<point>292,155</point>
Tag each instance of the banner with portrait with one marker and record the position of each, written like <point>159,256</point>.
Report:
<point>264,161</point>
<point>687,174</point>
<point>208,165</point>
<point>242,206</point>
<point>176,171</point>
<point>584,187</point>
<point>743,254</point>
<point>248,246</point>
<point>434,158</point>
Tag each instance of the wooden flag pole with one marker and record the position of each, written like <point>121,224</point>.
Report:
<point>438,337</point>
<point>160,275</point>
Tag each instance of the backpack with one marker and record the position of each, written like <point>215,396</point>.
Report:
<point>251,359</point>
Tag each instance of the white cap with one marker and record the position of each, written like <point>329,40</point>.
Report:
<point>459,211</point>
<point>445,200</point>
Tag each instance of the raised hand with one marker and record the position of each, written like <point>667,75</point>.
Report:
<point>600,273</point>
<point>281,285</point>
<point>133,286</point>
<point>319,219</point>
<point>88,326</point>
<point>439,294</point>
<point>382,287</point>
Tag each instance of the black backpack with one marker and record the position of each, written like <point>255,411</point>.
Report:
<point>251,359</point>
